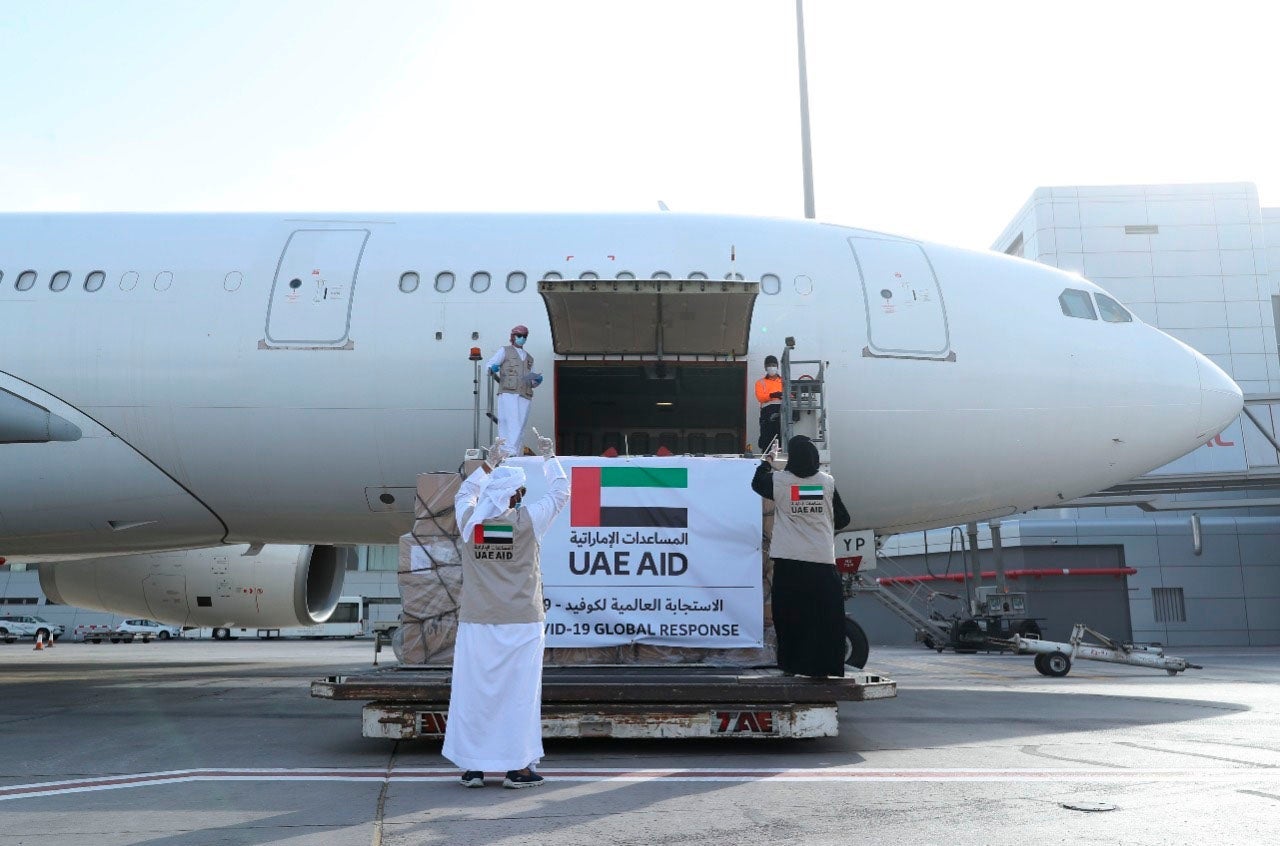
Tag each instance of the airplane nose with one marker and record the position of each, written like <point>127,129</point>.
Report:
<point>1220,397</point>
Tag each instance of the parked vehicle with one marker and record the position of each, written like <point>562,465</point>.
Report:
<point>14,626</point>
<point>149,628</point>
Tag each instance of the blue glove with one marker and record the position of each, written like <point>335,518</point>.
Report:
<point>494,368</point>
<point>537,380</point>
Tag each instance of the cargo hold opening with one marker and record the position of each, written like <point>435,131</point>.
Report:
<point>639,407</point>
<point>652,364</point>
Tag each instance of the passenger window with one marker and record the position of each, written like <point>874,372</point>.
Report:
<point>588,274</point>
<point>1076,303</point>
<point>444,281</point>
<point>1112,311</point>
<point>551,276</point>
<point>733,277</point>
<point>480,281</point>
<point>94,280</point>
<point>26,280</point>
<point>661,274</point>
<point>516,282</point>
<point>626,274</point>
<point>60,280</point>
<point>408,282</point>
<point>770,283</point>
<point>697,274</point>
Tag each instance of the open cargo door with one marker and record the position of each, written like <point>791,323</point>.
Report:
<point>649,316</point>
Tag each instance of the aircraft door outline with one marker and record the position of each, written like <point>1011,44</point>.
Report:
<point>906,312</point>
<point>313,289</point>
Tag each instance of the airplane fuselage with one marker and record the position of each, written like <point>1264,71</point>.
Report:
<point>209,412</point>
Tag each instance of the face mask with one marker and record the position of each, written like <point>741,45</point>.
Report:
<point>772,371</point>
<point>519,342</point>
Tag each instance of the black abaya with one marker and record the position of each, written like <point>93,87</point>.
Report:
<point>808,617</point>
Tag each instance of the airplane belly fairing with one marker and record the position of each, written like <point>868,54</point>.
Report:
<point>93,494</point>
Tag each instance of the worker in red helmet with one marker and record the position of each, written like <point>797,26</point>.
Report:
<point>512,366</point>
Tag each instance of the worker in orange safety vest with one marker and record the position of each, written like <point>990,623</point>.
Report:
<point>769,395</point>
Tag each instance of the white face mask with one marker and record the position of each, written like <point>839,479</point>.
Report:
<point>771,371</point>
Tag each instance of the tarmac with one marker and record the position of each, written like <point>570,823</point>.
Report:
<point>200,742</point>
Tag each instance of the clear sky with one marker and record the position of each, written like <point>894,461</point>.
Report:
<point>930,119</point>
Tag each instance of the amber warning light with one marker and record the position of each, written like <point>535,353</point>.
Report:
<point>475,354</point>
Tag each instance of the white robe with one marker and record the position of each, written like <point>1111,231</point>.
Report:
<point>513,413</point>
<point>501,685</point>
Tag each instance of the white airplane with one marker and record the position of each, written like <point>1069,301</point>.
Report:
<point>176,389</point>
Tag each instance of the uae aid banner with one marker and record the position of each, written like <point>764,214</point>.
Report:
<point>664,551</point>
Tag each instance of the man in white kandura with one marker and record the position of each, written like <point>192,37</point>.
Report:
<point>516,380</point>
<point>495,701</point>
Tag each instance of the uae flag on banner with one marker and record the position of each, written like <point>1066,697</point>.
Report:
<point>630,496</point>
<point>799,493</point>
<point>493,533</point>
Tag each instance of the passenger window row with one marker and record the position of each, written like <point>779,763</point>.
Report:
<point>445,280</point>
<point>1078,303</point>
<point>59,281</point>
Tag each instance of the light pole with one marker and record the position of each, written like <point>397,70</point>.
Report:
<point>805,153</point>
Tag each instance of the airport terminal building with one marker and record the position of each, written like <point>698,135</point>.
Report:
<point>1202,535</point>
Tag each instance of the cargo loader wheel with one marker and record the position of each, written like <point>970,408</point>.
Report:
<point>1053,664</point>
<point>856,647</point>
<point>164,635</point>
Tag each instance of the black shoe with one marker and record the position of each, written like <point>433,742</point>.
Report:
<point>473,778</point>
<point>516,779</point>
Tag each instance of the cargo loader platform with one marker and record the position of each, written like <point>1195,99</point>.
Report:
<point>681,701</point>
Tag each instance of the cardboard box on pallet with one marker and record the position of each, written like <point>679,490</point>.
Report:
<point>429,577</point>
<point>428,641</point>
<point>577,656</point>
<point>430,582</point>
<point>433,506</point>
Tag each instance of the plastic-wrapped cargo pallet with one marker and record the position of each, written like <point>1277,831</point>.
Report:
<point>430,575</point>
<point>430,579</point>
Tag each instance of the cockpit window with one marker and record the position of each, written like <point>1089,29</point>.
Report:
<point>1112,311</point>
<point>1077,303</point>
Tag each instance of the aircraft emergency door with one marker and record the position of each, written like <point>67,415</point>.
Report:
<point>906,315</point>
<point>311,297</point>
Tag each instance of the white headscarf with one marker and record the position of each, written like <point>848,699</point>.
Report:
<point>495,496</point>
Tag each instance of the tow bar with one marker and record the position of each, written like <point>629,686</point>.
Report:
<point>1055,658</point>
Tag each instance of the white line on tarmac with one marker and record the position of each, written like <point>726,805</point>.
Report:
<point>703,774</point>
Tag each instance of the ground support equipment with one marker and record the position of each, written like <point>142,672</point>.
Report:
<point>688,701</point>
<point>1055,658</point>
